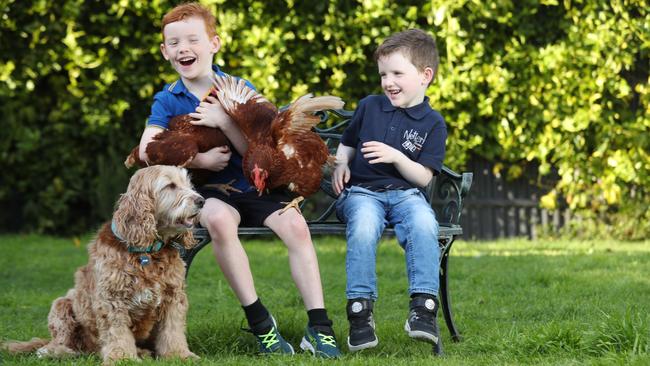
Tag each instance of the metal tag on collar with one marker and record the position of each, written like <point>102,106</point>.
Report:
<point>145,259</point>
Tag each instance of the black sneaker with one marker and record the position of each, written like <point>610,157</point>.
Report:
<point>362,325</point>
<point>421,323</point>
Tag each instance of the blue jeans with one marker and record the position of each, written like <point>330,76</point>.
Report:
<point>367,213</point>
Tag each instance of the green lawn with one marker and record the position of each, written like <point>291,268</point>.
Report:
<point>515,302</point>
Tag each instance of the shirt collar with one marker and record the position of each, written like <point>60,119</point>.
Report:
<point>177,87</point>
<point>416,112</point>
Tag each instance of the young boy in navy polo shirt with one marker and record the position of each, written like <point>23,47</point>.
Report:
<point>189,44</point>
<point>394,145</point>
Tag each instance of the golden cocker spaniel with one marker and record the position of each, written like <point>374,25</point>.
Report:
<point>129,300</point>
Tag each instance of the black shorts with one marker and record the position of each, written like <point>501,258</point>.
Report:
<point>253,209</point>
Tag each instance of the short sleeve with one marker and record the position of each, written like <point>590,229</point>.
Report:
<point>350,136</point>
<point>433,150</point>
<point>160,111</point>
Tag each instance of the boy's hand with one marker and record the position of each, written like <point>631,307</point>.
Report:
<point>340,176</point>
<point>377,152</point>
<point>215,159</point>
<point>210,113</point>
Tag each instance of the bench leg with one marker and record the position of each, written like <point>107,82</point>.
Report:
<point>444,293</point>
<point>188,255</point>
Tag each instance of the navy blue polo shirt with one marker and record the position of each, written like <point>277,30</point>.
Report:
<point>175,99</point>
<point>419,132</point>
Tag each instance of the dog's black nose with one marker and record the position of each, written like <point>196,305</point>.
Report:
<point>199,202</point>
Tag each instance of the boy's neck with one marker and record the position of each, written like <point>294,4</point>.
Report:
<point>200,86</point>
<point>420,100</point>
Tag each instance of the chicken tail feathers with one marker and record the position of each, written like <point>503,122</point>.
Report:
<point>232,91</point>
<point>331,161</point>
<point>301,111</point>
<point>133,158</point>
<point>249,109</point>
<point>309,104</point>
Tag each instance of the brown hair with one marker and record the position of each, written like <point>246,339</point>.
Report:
<point>416,45</point>
<point>187,10</point>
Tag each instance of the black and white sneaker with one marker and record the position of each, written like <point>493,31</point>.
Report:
<point>421,323</point>
<point>362,325</point>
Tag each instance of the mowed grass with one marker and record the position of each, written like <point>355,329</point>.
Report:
<point>514,301</point>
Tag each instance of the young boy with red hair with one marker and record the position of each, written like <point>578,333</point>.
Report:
<point>189,44</point>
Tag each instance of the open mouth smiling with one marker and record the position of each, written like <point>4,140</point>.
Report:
<point>186,61</point>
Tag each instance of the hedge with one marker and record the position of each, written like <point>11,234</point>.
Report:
<point>561,84</point>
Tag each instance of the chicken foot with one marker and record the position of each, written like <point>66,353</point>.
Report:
<point>224,188</point>
<point>295,203</point>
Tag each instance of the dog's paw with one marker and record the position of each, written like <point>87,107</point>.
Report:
<point>115,361</point>
<point>183,355</point>
<point>116,355</point>
<point>145,353</point>
<point>54,351</point>
<point>191,355</point>
<point>42,352</point>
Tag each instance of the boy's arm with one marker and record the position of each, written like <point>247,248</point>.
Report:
<point>215,159</point>
<point>210,113</point>
<point>341,174</point>
<point>414,172</point>
<point>147,136</point>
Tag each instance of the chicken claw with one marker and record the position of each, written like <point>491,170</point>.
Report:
<point>295,203</point>
<point>224,188</point>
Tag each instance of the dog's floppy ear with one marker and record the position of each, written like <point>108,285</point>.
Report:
<point>134,216</point>
<point>187,239</point>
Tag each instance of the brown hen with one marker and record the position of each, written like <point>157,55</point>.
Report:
<point>283,151</point>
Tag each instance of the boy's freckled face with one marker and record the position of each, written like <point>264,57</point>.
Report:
<point>403,84</point>
<point>188,47</point>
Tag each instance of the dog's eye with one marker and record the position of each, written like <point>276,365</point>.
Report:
<point>171,186</point>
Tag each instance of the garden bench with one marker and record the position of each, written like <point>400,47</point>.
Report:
<point>445,193</point>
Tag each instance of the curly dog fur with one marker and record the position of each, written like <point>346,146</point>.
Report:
<point>121,307</point>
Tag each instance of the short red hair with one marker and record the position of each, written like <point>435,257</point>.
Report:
<point>188,10</point>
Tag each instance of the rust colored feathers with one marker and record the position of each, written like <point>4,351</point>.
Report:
<point>283,150</point>
<point>179,144</point>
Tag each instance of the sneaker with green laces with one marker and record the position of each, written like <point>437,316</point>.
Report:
<point>320,341</point>
<point>270,340</point>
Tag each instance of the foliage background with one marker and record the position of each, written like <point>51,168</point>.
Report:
<point>559,84</point>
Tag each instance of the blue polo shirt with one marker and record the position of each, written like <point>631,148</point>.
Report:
<point>419,132</point>
<point>174,99</point>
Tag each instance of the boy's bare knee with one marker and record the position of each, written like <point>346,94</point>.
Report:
<point>294,227</point>
<point>219,222</point>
